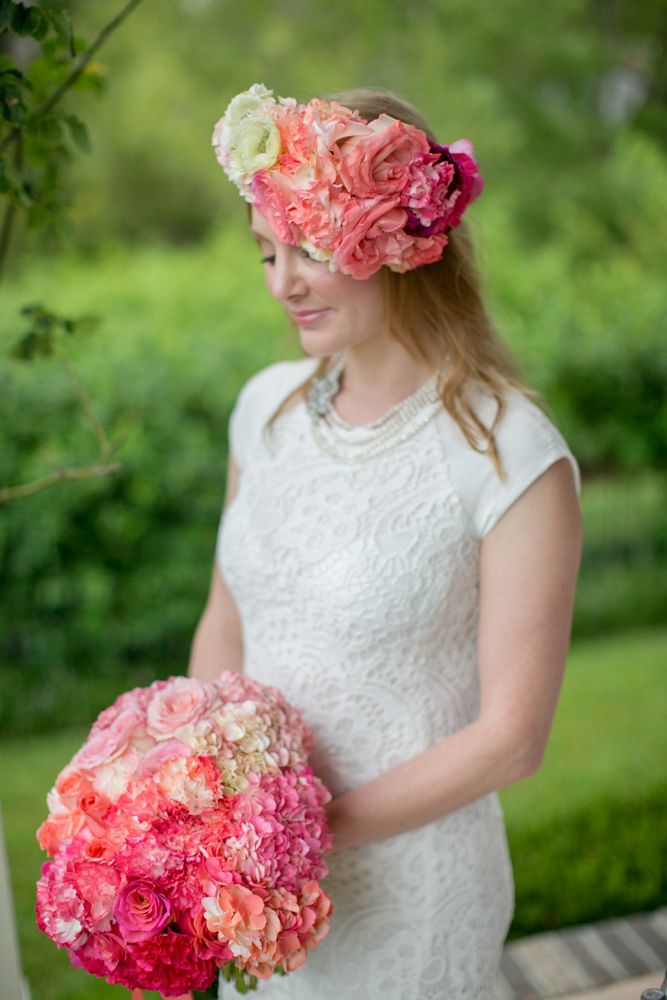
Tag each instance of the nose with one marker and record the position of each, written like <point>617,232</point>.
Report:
<point>285,278</point>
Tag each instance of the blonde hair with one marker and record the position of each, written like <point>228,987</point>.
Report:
<point>439,307</point>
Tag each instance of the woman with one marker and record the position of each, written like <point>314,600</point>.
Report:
<point>400,542</point>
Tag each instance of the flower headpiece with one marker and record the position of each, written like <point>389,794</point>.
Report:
<point>355,193</point>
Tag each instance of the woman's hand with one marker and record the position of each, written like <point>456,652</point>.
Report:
<point>346,832</point>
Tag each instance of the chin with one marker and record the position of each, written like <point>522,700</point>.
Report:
<point>319,348</point>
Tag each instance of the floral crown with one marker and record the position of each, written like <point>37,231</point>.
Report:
<point>355,193</point>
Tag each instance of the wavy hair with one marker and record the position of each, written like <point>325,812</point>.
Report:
<point>438,309</point>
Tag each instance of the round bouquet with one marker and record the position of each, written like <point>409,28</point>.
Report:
<point>188,834</point>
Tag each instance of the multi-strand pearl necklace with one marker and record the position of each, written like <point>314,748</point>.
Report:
<point>352,443</point>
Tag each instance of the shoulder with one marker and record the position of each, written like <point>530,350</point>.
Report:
<point>528,443</point>
<point>257,400</point>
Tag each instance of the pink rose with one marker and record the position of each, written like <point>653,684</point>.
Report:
<point>379,164</point>
<point>141,911</point>
<point>70,784</point>
<point>104,745</point>
<point>373,234</point>
<point>183,700</point>
<point>168,750</point>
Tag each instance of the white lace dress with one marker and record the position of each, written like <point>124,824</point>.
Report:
<point>357,587</point>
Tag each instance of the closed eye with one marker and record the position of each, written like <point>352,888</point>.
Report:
<point>271,258</point>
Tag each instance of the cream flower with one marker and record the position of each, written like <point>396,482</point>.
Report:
<point>249,102</point>
<point>246,139</point>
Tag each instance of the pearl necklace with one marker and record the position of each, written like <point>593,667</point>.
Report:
<point>353,443</point>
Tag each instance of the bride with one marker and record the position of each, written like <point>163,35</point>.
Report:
<point>400,540</point>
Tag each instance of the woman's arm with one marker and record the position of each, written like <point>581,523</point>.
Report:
<point>528,569</point>
<point>218,640</point>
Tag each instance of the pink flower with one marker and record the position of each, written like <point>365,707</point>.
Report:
<point>236,914</point>
<point>429,196</point>
<point>161,752</point>
<point>98,849</point>
<point>60,911</point>
<point>272,196</point>
<point>373,234</point>
<point>104,745</point>
<point>70,784</point>
<point>470,181</point>
<point>141,911</point>
<point>318,214</point>
<point>169,964</point>
<point>100,954</point>
<point>59,828</point>
<point>378,165</point>
<point>181,701</point>
<point>423,250</point>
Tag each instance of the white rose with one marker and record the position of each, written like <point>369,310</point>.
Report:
<point>250,101</point>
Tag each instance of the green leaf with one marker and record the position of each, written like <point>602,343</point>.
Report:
<point>62,26</point>
<point>22,19</point>
<point>6,11</point>
<point>39,26</point>
<point>79,133</point>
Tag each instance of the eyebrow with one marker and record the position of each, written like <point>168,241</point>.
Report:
<point>260,236</point>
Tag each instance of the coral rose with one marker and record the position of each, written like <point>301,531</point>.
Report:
<point>379,165</point>
<point>373,235</point>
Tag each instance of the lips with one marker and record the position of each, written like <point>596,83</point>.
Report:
<point>307,314</point>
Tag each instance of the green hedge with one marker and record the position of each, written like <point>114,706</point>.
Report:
<point>105,579</point>
<point>602,861</point>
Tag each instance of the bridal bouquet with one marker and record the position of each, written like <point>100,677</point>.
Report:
<point>188,834</point>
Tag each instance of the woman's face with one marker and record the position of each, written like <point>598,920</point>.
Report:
<point>332,311</point>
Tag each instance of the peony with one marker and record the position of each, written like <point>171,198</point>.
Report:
<point>140,911</point>
<point>379,165</point>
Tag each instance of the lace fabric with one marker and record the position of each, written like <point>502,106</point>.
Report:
<point>357,587</point>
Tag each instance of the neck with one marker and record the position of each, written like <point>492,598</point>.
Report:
<point>377,376</point>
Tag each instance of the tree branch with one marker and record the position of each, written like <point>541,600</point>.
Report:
<point>86,402</point>
<point>82,61</point>
<point>10,211</point>
<point>77,69</point>
<point>58,475</point>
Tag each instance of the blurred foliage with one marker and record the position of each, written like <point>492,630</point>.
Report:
<point>108,577</point>
<point>566,106</point>
<point>605,860</point>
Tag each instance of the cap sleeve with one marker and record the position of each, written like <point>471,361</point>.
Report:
<point>528,444</point>
<point>256,402</point>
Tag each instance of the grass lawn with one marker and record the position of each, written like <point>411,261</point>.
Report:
<point>606,746</point>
